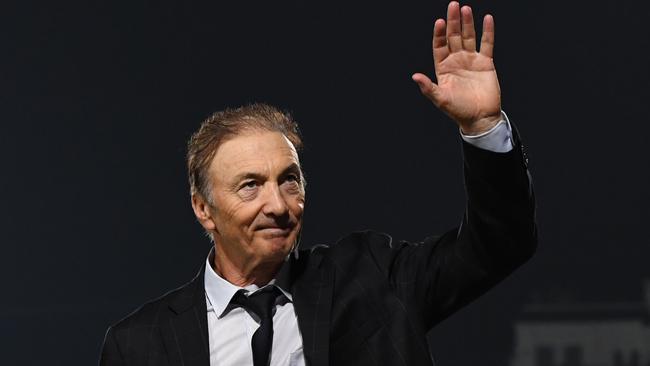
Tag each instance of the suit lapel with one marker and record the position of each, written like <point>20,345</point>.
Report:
<point>186,334</point>
<point>311,282</point>
<point>312,299</point>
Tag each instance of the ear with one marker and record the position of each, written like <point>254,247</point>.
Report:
<point>202,212</point>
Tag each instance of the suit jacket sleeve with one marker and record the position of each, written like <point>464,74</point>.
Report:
<point>497,234</point>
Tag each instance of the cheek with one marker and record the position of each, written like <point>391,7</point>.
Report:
<point>239,217</point>
<point>298,206</point>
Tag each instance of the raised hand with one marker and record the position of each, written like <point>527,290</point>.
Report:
<point>468,88</point>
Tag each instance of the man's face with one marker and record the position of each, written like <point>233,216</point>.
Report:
<point>258,198</point>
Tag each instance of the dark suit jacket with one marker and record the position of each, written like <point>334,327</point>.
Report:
<point>366,300</point>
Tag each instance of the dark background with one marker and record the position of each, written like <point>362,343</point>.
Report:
<point>98,100</point>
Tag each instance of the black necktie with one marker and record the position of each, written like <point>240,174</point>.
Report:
<point>260,303</point>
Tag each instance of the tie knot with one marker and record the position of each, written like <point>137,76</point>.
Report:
<point>260,302</point>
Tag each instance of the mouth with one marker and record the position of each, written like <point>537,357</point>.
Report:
<point>276,231</point>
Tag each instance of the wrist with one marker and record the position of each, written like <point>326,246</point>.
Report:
<point>481,125</point>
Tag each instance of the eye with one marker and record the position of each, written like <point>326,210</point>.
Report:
<point>292,180</point>
<point>251,184</point>
<point>248,190</point>
<point>292,183</point>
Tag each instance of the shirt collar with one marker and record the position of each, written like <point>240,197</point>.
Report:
<point>219,291</point>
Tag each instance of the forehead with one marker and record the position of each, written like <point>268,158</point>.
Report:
<point>254,151</point>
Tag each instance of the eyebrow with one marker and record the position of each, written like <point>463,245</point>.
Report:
<point>291,168</point>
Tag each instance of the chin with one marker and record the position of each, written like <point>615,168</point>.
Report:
<point>277,248</point>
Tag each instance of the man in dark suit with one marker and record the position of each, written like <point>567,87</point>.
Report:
<point>366,300</point>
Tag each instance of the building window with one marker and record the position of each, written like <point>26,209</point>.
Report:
<point>544,356</point>
<point>572,356</point>
<point>634,358</point>
<point>618,358</point>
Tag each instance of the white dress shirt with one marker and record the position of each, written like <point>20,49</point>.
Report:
<point>230,333</point>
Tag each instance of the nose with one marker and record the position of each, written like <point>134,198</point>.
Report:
<point>275,203</point>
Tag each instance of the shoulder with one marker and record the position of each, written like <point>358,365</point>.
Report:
<point>365,241</point>
<point>155,311</point>
<point>371,248</point>
<point>372,241</point>
<point>349,243</point>
<point>362,240</point>
<point>358,249</point>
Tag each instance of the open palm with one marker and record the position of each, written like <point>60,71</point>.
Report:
<point>467,87</point>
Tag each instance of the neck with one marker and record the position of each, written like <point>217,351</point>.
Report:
<point>242,273</point>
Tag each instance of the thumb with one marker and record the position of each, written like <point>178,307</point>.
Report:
<point>427,87</point>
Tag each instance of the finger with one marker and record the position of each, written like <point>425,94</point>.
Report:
<point>427,87</point>
<point>453,27</point>
<point>469,34</point>
<point>487,38</point>
<point>440,49</point>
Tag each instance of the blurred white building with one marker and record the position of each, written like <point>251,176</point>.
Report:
<point>584,334</point>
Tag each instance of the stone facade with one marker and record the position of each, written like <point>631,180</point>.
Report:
<point>584,334</point>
